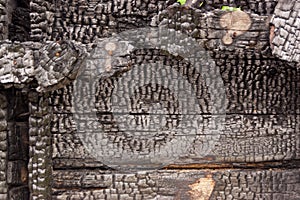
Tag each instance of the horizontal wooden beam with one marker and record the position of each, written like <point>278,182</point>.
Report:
<point>178,184</point>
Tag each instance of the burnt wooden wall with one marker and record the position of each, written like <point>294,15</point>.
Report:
<point>256,157</point>
<point>18,146</point>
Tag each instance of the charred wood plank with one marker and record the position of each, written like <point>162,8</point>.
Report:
<point>186,184</point>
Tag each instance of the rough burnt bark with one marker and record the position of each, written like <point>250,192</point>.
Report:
<point>261,128</point>
<point>40,149</point>
<point>50,64</point>
<point>262,111</point>
<point>285,42</point>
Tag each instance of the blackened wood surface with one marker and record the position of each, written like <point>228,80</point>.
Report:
<point>283,184</point>
<point>17,146</point>
<point>40,163</point>
<point>261,129</point>
<point>3,142</point>
<point>262,113</point>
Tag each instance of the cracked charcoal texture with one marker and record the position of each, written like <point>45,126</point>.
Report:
<point>257,119</point>
<point>51,64</point>
<point>287,26</point>
<point>261,115</point>
<point>229,184</point>
<point>3,22</point>
<point>254,6</point>
<point>261,127</point>
<point>89,20</point>
<point>3,149</point>
<point>18,148</point>
<point>40,164</point>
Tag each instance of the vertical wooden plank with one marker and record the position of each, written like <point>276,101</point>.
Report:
<point>17,150</point>
<point>3,145</point>
<point>40,166</point>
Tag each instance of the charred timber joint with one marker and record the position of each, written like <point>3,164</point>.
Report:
<point>236,165</point>
<point>51,65</point>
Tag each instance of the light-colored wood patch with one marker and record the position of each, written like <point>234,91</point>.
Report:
<point>272,35</point>
<point>202,189</point>
<point>236,23</point>
<point>24,173</point>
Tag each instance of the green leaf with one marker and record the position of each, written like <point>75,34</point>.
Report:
<point>182,2</point>
<point>228,8</point>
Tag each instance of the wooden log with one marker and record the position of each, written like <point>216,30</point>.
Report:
<point>260,129</point>
<point>52,64</point>
<point>261,122</point>
<point>173,184</point>
<point>261,91</point>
